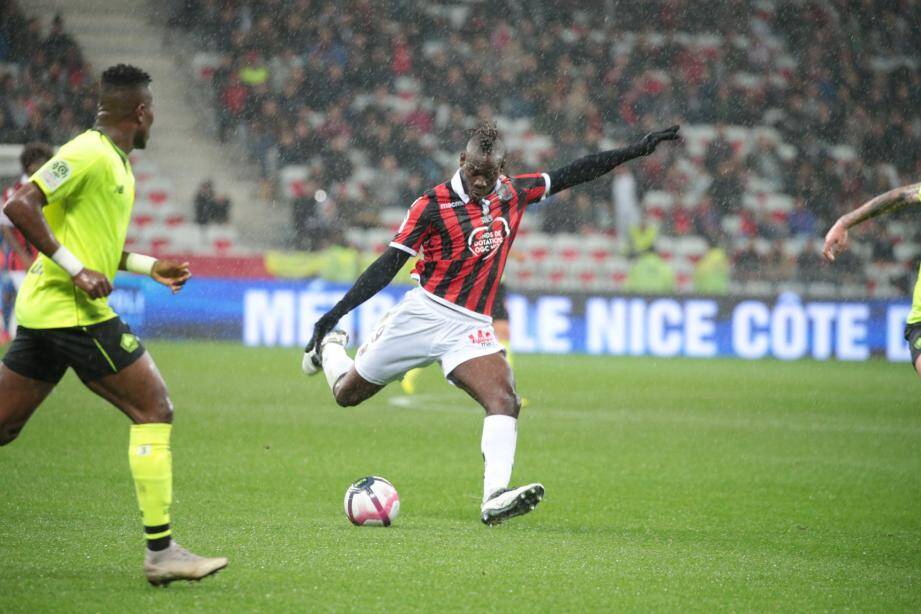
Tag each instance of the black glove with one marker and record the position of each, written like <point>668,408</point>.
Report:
<point>322,328</point>
<point>648,143</point>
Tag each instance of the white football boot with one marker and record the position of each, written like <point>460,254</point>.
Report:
<point>312,362</point>
<point>176,563</point>
<point>509,502</point>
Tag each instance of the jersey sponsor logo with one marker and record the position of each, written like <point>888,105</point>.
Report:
<point>451,205</point>
<point>55,174</point>
<point>485,241</point>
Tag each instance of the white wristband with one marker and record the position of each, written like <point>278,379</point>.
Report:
<point>67,261</point>
<point>139,263</point>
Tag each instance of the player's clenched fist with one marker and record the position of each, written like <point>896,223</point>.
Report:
<point>94,283</point>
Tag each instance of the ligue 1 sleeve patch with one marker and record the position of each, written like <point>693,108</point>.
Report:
<point>55,174</point>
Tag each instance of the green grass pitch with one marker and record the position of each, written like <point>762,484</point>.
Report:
<point>671,485</point>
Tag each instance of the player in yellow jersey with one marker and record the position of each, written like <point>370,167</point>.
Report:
<point>75,210</point>
<point>836,241</point>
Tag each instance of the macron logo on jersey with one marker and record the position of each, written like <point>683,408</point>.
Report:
<point>451,205</point>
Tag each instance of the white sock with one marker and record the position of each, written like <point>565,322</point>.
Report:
<point>500,434</point>
<point>336,363</point>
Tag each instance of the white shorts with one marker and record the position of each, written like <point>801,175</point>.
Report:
<point>420,330</point>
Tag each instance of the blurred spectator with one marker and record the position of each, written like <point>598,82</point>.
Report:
<point>681,221</point>
<point>802,221</point>
<point>210,208</point>
<point>643,236</point>
<point>388,183</point>
<point>707,220</point>
<point>747,266</point>
<point>711,275</point>
<point>626,200</point>
<point>650,274</point>
<point>765,161</point>
<point>811,267</point>
<point>777,266</point>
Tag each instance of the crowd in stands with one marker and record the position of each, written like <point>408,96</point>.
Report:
<point>48,94</point>
<point>47,90</point>
<point>794,111</point>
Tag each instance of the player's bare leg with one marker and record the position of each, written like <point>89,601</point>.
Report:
<point>352,389</point>
<point>489,380</point>
<point>348,387</point>
<point>918,366</point>
<point>20,396</point>
<point>140,393</point>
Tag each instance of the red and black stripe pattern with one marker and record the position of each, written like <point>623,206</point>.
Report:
<point>465,243</point>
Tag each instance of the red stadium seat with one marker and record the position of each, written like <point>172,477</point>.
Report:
<point>159,244</point>
<point>157,197</point>
<point>142,220</point>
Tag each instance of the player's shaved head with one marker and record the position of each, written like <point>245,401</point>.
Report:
<point>125,101</point>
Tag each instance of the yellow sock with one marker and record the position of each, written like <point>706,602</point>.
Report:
<point>409,380</point>
<point>152,469</point>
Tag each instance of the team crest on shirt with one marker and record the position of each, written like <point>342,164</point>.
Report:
<point>129,342</point>
<point>486,240</point>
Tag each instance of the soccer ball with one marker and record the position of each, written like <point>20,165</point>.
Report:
<point>372,501</point>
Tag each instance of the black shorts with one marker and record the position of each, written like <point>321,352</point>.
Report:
<point>499,312</point>
<point>92,351</point>
<point>913,337</point>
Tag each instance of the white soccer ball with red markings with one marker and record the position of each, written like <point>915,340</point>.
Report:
<point>372,501</point>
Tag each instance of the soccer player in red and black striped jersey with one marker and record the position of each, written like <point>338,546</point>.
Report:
<point>464,229</point>
<point>19,253</point>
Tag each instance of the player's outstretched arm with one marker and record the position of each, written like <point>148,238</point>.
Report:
<point>893,200</point>
<point>373,280</point>
<point>595,165</point>
<point>24,209</point>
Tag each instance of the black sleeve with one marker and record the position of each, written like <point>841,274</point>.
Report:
<point>593,166</point>
<point>373,280</point>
